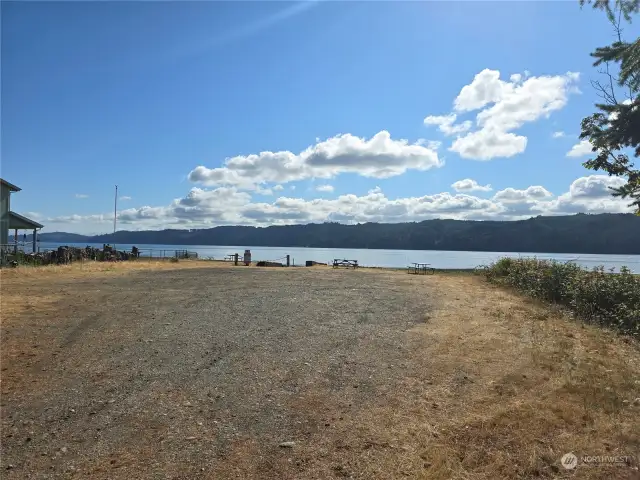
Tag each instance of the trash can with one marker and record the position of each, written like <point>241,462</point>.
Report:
<point>247,257</point>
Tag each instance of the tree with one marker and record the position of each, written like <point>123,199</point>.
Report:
<point>617,125</point>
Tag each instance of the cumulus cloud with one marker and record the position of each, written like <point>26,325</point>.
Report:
<point>558,134</point>
<point>445,123</point>
<point>81,195</point>
<point>520,203</point>
<point>591,194</point>
<point>487,144</point>
<point>595,186</point>
<point>469,185</point>
<point>581,149</point>
<point>324,188</point>
<point>504,106</point>
<point>378,157</point>
<point>529,194</point>
<point>202,208</point>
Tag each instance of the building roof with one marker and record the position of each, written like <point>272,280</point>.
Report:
<point>22,223</point>
<point>10,186</point>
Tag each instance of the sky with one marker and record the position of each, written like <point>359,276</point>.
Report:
<point>264,113</point>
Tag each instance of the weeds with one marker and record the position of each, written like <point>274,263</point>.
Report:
<point>597,296</point>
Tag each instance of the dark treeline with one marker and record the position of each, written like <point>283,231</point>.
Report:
<point>598,234</point>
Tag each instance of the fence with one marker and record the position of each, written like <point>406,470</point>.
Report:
<point>10,255</point>
<point>165,254</point>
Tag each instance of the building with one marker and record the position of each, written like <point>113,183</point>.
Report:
<point>12,221</point>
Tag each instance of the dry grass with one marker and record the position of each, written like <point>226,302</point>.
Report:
<point>538,385</point>
<point>30,289</point>
<point>496,387</point>
<point>509,387</point>
<point>90,267</point>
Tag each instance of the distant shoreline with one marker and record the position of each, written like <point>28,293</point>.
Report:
<point>180,246</point>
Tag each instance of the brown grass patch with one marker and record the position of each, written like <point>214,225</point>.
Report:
<point>514,387</point>
<point>493,386</point>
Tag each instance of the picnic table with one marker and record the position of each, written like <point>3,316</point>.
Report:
<point>343,262</point>
<point>421,269</point>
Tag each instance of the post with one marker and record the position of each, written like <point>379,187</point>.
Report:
<point>235,261</point>
<point>115,210</point>
<point>288,263</point>
<point>33,240</point>
<point>15,241</point>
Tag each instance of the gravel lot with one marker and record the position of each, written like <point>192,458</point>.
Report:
<point>203,373</point>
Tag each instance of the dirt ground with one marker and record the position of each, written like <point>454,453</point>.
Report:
<point>192,371</point>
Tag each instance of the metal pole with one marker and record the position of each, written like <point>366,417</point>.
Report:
<point>115,210</point>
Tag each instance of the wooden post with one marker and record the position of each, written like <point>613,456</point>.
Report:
<point>33,248</point>
<point>288,264</point>
<point>235,259</point>
<point>15,240</point>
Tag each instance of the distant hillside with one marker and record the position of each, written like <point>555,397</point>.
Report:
<point>598,234</point>
<point>61,237</point>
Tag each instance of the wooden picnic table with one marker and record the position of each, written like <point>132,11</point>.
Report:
<point>343,262</point>
<point>421,269</point>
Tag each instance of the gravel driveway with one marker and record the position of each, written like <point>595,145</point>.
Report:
<point>205,373</point>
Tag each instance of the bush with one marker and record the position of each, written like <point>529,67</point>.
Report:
<point>598,296</point>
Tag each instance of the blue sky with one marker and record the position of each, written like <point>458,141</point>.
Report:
<point>175,101</point>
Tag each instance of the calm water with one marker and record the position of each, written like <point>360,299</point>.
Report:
<point>375,258</point>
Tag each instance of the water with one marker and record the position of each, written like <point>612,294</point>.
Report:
<point>373,257</point>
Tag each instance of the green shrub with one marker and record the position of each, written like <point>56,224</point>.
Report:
<point>598,296</point>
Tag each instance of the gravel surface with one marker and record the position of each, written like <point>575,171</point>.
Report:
<point>208,373</point>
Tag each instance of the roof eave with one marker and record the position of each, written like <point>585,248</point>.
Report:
<point>10,186</point>
<point>31,223</point>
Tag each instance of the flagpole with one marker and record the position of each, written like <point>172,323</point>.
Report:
<point>115,209</point>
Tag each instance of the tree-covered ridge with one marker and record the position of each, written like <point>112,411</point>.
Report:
<point>598,234</point>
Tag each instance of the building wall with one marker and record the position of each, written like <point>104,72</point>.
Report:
<point>5,206</point>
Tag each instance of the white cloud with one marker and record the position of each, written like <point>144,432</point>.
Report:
<point>446,125</point>
<point>203,208</point>
<point>81,195</point>
<point>529,194</point>
<point>469,185</point>
<point>125,198</point>
<point>324,188</point>
<point>277,188</point>
<point>504,106</point>
<point>485,88</point>
<point>522,203</point>
<point>591,194</point>
<point>595,186</point>
<point>378,157</point>
<point>580,149</point>
<point>558,134</point>
<point>487,144</point>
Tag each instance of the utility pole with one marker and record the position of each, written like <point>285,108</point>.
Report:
<point>115,210</point>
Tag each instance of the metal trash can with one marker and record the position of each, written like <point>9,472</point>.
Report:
<point>247,257</point>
